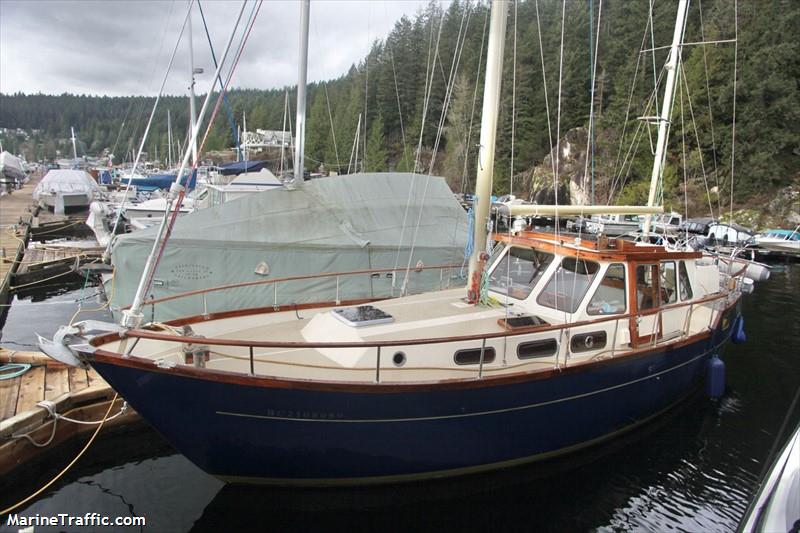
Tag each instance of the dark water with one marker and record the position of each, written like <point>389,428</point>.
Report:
<point>693,469</point>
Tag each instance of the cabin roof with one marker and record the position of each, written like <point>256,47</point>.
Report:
<point>601,249</point>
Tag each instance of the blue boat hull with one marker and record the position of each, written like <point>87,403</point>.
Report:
<point>256,429</point>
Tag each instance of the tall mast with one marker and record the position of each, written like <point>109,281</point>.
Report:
<point>169,140</point>
<point>244,144</point>
<point>74,150</point>
<point>192,111</point>
<point>666,107</point>
<point>491,105</point>
<point>299,146</point>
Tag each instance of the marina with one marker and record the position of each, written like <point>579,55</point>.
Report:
<point>580,337</point>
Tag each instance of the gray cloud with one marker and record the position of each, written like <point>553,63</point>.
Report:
<point>122,47</point>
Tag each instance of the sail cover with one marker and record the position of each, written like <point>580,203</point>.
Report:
<point>336,224</point>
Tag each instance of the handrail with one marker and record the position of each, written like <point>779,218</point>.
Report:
<point>151,335</point>
<point>290,278</point>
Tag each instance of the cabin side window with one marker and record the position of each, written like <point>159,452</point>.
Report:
<point>669,283</point>
<point>568,285</point>
<point>646,296</point>
<point>519,271</point>
<point>686,285</point>
<point>609,297</point>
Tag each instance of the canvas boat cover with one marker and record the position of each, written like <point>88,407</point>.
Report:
<point>237,167</point>
<point>334,224</point>
<point>66,181</point>
<point>11,167</point>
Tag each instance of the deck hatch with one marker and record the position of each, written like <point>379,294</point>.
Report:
<point>364,315</point>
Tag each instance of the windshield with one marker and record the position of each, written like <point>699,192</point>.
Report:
<point>518,272</point>
<point>568,285</point>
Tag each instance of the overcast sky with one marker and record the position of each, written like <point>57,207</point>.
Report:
<point>122,47</point>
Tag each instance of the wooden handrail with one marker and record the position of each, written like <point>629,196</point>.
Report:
<point>151,335</point>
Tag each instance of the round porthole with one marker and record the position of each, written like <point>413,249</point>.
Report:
<point>399,358</point>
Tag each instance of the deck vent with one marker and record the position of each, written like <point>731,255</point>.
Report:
<point>364,315</point>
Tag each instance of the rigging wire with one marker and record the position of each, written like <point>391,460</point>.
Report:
<point>710,112</point>
<point>697,138</point>
<point>513,104</point>
<point>735,76</point>
<point>231,119</point>
<point>590,135</point>
<point>546,101</point>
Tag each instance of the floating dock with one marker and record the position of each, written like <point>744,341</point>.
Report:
<point>74,392</point>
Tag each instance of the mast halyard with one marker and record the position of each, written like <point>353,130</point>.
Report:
<point>491,105</point>
<point>666,107</point>
<point>74,149</point>
<point>299,146</point>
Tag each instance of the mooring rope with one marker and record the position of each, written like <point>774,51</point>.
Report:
<point>66,468</point>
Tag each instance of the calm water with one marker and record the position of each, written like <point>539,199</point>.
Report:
<point>694,469</point>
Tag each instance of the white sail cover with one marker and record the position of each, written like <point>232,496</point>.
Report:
<point>63,181</point>
<point>331,224</point>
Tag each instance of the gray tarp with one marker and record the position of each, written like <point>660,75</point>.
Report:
<point>332,224</point>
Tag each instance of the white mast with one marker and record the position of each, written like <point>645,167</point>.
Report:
<point>244,144</point>
<point>192,72</point>
<point>74,150</point>
<point>301,94</point>
<point>169,140</point>
<point>491,105</point>
<point>283,131</point>
<point>666,107</point>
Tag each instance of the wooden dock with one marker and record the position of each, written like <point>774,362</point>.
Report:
<point>16,214</point>
<point>76,393</point>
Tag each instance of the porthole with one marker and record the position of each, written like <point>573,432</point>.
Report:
<point>585,342</point>
<point>399,359</point>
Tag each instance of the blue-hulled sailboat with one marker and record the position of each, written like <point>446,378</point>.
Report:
<point>558,344</point>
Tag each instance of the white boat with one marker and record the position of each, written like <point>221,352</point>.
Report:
<point>63,189</point>
<point>610,225</point>
<point>12,174</point>
<point>779,241</point>
<point>776,506</point>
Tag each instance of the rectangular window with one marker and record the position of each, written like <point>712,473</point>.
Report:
<point>686,285</point>
<point>609,298</point>
<point>472,356</point>
<point>669,283</point>
<point>646,296</point>
<point>518,272</point>
<point>540,348</point>
<point>568,285</point>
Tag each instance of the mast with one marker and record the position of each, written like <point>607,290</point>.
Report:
<point>74,150</point>
<point>299,146</point>
<point>244,144</point>
<point>192,72</point>
<point>666,107</point>
<point>169,140</point>
<point>491,105</point>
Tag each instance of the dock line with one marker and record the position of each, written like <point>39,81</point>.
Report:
<point>66,468</point>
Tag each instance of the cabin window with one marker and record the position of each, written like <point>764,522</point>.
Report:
<point>519,271</point>
<point>568,285</point>
<point>646,296</point>
<point>540,348</point>
<point>586,342</point>
<point>669,283</point>
<point>686,285</point>
<point>609,298</point>
<point>472,356</point>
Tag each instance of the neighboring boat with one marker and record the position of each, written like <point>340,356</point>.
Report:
<point>776,506</point>
<point>152,182</point>
<point>725,235</point>
<point>245,183</point>
<point>560,343</point>
<point>342,223</point>
<point>12,174</point>
<point>66,189</point>
<point>667,223</point>
<point>779,241</point>
<point>610,225</point>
